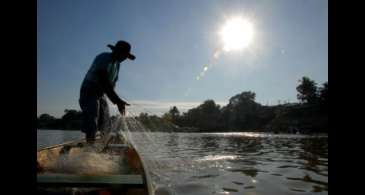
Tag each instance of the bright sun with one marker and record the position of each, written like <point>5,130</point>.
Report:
<point>237,33</point>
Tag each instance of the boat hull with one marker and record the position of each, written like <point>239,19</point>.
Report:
<point>133,180</point>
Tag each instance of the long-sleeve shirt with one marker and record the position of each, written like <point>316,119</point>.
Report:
<point>102,77</point>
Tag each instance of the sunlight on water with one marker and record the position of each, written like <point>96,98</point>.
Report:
<point>246,134</point>
<point>232,163</point>
<point>217,157</point>
<point>225,163</point>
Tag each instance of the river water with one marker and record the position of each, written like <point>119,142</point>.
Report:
<point>52,137</point>
<point>230,163</point>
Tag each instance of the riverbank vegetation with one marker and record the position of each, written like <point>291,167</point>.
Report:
<point>242,113</point>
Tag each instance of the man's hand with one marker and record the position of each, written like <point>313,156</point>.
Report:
<point>121,107</point>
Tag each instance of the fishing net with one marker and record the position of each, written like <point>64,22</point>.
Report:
<point>144,134</point>
<point>164,169</point>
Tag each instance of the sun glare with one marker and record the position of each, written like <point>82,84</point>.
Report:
<point>237,33</point>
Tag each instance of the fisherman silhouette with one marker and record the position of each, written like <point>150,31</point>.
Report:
<point>98,84</point>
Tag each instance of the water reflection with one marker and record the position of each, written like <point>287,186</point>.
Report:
<point>235,163</point>
<point>173,141</point>
<point>249,163</point>
<point>207,142</point>
<point>248,172</point>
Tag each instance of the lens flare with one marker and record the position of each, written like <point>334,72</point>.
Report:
<point>237,33</point>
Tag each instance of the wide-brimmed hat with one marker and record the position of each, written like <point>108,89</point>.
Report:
<point>123,47</point>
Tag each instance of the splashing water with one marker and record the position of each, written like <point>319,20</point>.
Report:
<point>222,163</point>
<point>140,137</point>
<point>145,141</point>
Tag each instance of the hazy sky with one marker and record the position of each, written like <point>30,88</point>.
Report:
<point>173,40</point>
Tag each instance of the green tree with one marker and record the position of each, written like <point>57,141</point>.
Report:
<point>307,91</point>
<point>174,111</point>
<point>323,97</point>
<point>145,120</point>
<point>46,117</point>
<point>323,92</point>
<point>172,116</point>
<point>206,116</point>
<point>45,121</point>
<point>72,119</point>
<point>143,116</point>
<point>242,112</point>
<point>71,115</point>
<point>246,97</point>
<point>167,117</point>
<point>175,114</point>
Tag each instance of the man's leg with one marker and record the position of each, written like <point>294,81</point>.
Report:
<point>90,110</point>
<point>104,123</point>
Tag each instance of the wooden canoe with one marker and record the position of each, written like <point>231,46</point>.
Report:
<point>133,180</point>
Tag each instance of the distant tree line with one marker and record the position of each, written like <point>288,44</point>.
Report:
<point>71,120</point>
<point>242,113</point>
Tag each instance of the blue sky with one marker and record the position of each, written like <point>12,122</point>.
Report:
<point>173,40</point>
